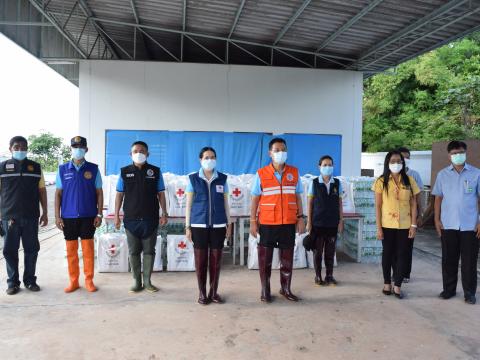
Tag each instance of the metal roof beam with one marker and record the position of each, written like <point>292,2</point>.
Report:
<point>391,52</point>
<point>158,44</point>
<point>184,24</point>
<point>349,24</point>
<point>294,58</point>
<point>413,27</point>
<point>237,17</point>
<point>222,38</point>
<point>137,20</point>
<point>291,21</point>
<point>205,48</point>
<point>89,14</point>
<point>54,22</point>
<point>250,53</point>
<point>26,23</point>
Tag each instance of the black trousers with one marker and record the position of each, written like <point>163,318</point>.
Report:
<point>325,242</point>
<point>458,245</point>
<point>394,255</point>
<point>408,266</point>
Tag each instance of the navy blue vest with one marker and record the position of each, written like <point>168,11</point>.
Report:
<point>326,206</point>
<point>208,207</point>
<point>79,193</point>
<point>141,190</point>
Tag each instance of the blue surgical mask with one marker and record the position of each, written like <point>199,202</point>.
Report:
<point>458,159</point>
<point>78,153</point>
<point>209,164</point>
<point>19,155</point>
<point>326,170</point>
<point>279,157</point>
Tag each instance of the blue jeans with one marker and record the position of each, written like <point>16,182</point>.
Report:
<point>27,231</point>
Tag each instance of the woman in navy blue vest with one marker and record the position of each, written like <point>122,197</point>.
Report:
<point>325,218</point>
<point>207,222</point>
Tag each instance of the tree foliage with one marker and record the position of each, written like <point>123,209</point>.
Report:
<point>47,149</point>
<point>431,98</point>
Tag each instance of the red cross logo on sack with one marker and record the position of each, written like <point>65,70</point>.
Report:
<point>236,192</point>
<point>237,195</point>
<point>112,249</point>
<point>182,245</point>
<point>180,193</point>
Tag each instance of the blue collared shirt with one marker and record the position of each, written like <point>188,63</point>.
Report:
<point>189,188</point>
<point>417,177</point>
<point>98,179</point>
<point>256,189</point>
<point>460,193</point>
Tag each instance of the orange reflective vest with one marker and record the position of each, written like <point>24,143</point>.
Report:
<point>278,202</point>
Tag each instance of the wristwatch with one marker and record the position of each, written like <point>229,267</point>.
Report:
<point>100,216</point>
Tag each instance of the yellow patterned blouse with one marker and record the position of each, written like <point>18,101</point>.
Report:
<point>396,204</point>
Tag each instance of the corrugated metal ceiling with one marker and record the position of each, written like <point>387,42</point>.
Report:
<point>364,35</point>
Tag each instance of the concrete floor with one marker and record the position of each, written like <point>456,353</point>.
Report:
<point>350,321</point>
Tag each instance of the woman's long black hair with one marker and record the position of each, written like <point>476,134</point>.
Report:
<point>386,170</point>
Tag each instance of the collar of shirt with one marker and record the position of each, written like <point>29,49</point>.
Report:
<point>465,167</point>
<point>202,175</point>
<point>331,181</point>
<point>77,167</point>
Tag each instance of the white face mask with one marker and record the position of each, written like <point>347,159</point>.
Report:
<point>209,164</point>
<point>395,168</point>
<point>139,158</point>
<point>279,157</point>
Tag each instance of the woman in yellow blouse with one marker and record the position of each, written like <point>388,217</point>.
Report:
<point>396,213</point>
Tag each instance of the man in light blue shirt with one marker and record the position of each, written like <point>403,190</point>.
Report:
<point>457,193</point>
<point>416,176</point>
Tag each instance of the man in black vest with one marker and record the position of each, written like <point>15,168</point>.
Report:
<point>141,188</point>
<point>325,218</point>
<point>22,188</point>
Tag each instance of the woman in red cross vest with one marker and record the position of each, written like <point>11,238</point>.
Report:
<point>276,214</point>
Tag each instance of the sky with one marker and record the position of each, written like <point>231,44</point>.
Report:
<point>33,97</point>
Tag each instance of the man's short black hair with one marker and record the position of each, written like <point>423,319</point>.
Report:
<point>18,139</point>
<point>325,157</point>
<point>455,145</point>
<point>404,150</point>
<point>142,143</point>
<point>276,140</point>
<point>206,148</point>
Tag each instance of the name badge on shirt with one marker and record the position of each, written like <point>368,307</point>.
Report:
<point>468,187</point>
<point>10,167</point>
<point>220,189</point>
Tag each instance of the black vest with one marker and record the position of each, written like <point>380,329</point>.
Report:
<point>326,206</point>
<point>140,191</point>
<point>19,193</point>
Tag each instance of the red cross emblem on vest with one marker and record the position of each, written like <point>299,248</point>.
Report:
<point>236,192</point>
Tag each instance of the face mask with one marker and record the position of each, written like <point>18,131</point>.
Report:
<point>458,159</point>
<point>395,168</point>
<point>326,170</point>
<point>279,157</point>
<point>78,153</point>
<point>209,164</point>
<point>19,155</point>
<point>407,163</point>
<point>139,158</point>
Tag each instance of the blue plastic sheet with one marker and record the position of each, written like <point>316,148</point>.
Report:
<point>237,153</point>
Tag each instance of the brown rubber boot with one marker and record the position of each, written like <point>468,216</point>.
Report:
<point>265,256</point>
<point>201,264</point>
